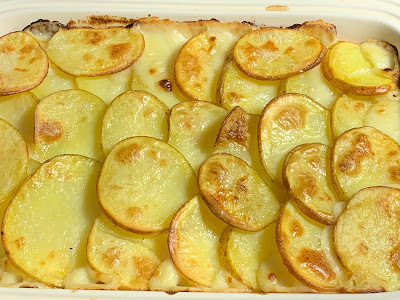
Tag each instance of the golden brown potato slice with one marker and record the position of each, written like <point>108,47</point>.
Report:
<point>237,89</point>
<point>363,157</point>
<point>236,193</point>
<point>69,122</point>
<point>134,113</point>
<point>95,52</point>
<point>286,122</point>
<point>60,201</point>
<point>366,69</point>
<point>194,127</point>
<point>277,53</point>
<point>23,63</point>
<point>324,31</point>
<point>366,237</point>
<point>143,182</point>
<point>307,174</point>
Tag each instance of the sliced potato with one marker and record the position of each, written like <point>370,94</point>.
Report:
<point>277,53</point>
<point>134,113</point>
<point>236,193</point>
<point>366,237</point>
<point>23,63</point>
<point>324,31</point>
<point>68,122</point>
<point>363,157</point>
<point>237,89</point>
<point>194,127</point>
<point>60,200</point>
<point>307,174</point>
<point>95,52</point>
<point>33,166</point>
<point>286,122</point>
<point>43,30</point>
<point>143,182</point>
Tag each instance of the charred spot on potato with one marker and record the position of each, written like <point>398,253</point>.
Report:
<point>48,131</point>
<point>119,50</point>
<point>296,229</point>
<point>130,153</point>
<point>166,85</point>
<point>316,262</point>
<point>394,173</point>
<point>93,37</point>
<point>269,46</point>
<point>292,117</point>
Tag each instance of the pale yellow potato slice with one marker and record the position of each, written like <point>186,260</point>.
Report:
<point>69,122</point>
<point>366,237</point>
<point>348,66</point>
<point>14,160</point>
<point>134,113</point>
<point>364,157</point>
<point>23,63</point>
<point>286,122</point>
<point>237,89</point>
<point>325,32</point>
<point>60,200</point>
<point>143,182</point>
<point>106,87</point>
<point>307,174</point>
<point>114,250</point>
<point>313,84</point>
<point>95,52</point>
<point>277,53</point>
<point>194,126</point>
<point>33,166</point>
<point>236,193</point>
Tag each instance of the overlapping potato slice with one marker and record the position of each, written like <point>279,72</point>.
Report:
<point>43,30</point>
<point>363,157</point>
<point>134,113</point>
<point>277,53</point>
<point>47,222</point>
<point>325,32</point>
<point>69,122</point>
<point>366,237</point>
<point>286,122</point>
<point>237,89</point>
<point>95,52</point>
<point>371,68</point>
<point>128,255</point>
<point>194,127</point>
<point>23,63</point>
<point>143,182</point>
<point>307,174</point>
<point>236,193</point>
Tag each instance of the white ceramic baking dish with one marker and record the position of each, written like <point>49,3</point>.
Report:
<point>355,20</point>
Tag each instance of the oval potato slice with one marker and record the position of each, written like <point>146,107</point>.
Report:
<point>95,52</point>
<point>143,182</point>
<point>23,63</point>
<point>47,222</point>
<point>364,157</point>
<point>366,237</point>
<point>236,193</point>
<point>134,113</point>
<point>277,53</point>
<point>286,122</point>
<point>68,122</point>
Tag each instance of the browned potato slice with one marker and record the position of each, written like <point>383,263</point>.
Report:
<point>60,201</point>
<point>367,237</point>
<point>364,157</point>
<point>134,113</point>
<point>307,174</point>
<point>95,52</point>
<point>277,53</point>
<point>236,193</point>
<point>324,31</point>
<point>43,30</point>
<point>286,122</point>
<point>143,182</point>
<point>23,63</point>
<point>68,122</point>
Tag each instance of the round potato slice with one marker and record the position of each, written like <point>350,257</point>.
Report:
<point>367,237</point>
<point>236,193</point>
<point>307,174</point>
<point>325,32</point>
<point>134,113</point>
<point>143,182</point>
<point>23,63</point>
<point>14,160</point>
<point>95,52</point>
<point>364,157</point>
<point>46,225</point>
<point>277,53</point>
<point>286,122</point>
